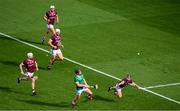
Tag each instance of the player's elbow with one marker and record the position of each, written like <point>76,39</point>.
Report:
<point>44,17</point>
<point>20,65</point>
<point>76,84</point>
<point>49,42</point>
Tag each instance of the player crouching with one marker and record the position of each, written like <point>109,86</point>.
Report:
<point>121,84</point>
<point>30,65</point>
<point>55,43</point>
<point>81,86</point>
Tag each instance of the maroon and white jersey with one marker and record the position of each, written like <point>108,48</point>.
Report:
<point>29,64</point>
<point>56,39</point>
<point>51,16</point>
<point>126,82</point>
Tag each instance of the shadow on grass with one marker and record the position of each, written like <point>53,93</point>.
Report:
<point>14,63</point>
<point>9,90</point>
<point>4,38</point>
<point>100,98</point>
<point>33,42</point>
<point>28,41</point>
<point>36,102</point>
<point>25,40</point>
<point>42,68</point>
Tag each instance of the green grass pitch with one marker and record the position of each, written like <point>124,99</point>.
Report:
<point>103,34</point>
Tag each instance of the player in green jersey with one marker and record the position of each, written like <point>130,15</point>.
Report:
<point>81,86</point>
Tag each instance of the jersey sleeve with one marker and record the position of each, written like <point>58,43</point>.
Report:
<point>130,81</point>
<point>52,38</point>
<point>24,62</point>
<point>82,76</point>
<point>75,79</point>
<point>56,12</point>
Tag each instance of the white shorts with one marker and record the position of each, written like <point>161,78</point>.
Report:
<point>118,89</point>
<point>78,92</point>
<point>50,26</point>
<point>55,52</point>
<point>29,74</point>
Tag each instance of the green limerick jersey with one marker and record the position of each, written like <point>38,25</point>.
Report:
<point>79,79</point>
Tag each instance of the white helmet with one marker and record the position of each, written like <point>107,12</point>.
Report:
<point>30,55</point>
<point>58,31</point>
<point>52,7</point>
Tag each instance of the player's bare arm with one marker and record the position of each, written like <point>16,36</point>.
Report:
<point>45,18</point>
<point>87,86</point>
<point>21,67</point>
<point>80,85</point>
<point>135,85</point>
<point>122,82</point>
<point>60,44</point>
<point>36,65</point>
<point>50,43</point>
<point>57,19</point>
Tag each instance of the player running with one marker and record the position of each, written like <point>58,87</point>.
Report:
<point>55,43</point>
<point>50,17</point>
<point>121,84</point>
<point>30,65</point>
<point>81,86</point>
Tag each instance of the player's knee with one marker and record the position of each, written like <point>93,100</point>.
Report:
<point>90,92</point>
<point>35,77</point>
<point>32,80</point>
<point>77,97</point>
<point>119,95</point>
<point>60,59</point>
<point>52,58</point>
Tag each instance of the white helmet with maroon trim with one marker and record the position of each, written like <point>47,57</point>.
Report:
<point>30,55</point>
<point>52,7</point>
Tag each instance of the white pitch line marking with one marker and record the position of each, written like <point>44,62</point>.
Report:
<point>163,85</point>
<point>100,72</point>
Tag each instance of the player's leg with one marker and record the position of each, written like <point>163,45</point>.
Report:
<point>26,78</point>
<point>45,34</point>
<point>22,78</point>
<point>50,29</point>
<point>74,101</point>
<point>90,93</point>
<point>77,97</point>
<point>60,55</point>
<point>52,58</point>
<point>33,79</point>
<point>118,93</point>
<point>111,88</point>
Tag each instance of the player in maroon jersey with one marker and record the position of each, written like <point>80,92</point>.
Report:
<point>55,43</point>
<point>121,84</point>
<point>50,17</point>
<point>30,65</point>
